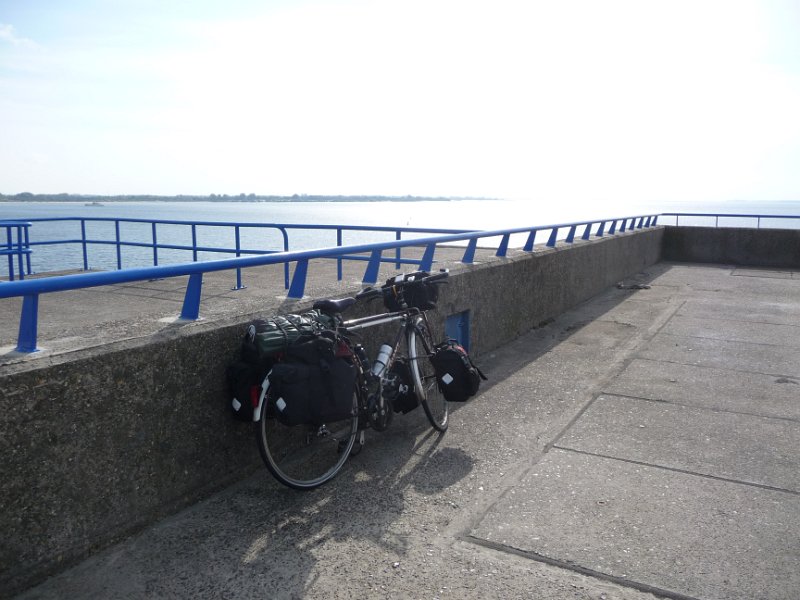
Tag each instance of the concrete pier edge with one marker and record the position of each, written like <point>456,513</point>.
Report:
<point>133,430</point>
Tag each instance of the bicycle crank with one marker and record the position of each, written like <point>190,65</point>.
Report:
<point>379,411</point>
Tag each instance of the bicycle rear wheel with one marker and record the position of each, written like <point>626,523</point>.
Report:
<point>420,349</point>
<point>304,456</point>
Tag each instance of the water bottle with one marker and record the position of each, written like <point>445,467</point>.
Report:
<point>384,354</point>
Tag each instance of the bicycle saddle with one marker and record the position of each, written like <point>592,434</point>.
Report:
<point>334,306</point>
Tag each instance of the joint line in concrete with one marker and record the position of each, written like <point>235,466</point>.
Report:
<point>631,461</point>
<point>706,408</point>
<point>569,566</point>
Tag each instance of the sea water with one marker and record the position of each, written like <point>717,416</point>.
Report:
<point>440,214</point>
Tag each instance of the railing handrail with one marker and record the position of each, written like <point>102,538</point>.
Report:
<point>30,289</point>
<point>726,215</point>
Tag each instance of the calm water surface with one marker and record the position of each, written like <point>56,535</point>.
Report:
<point>461,214</point>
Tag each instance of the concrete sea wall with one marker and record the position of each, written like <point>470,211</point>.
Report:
<point>733,246</point>
<point>97,446</point>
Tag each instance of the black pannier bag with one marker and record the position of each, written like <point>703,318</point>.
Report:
<point>456,374</point>
<point>410,289</point>
<point>312,385</point>
<point>244,384</point>
<point>402,390</point>
<point>264,341</point>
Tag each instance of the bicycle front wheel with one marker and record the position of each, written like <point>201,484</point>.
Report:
<point>304,456</point>
<point>420,349</point>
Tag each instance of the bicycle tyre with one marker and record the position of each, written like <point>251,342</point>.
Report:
<point>420,349</point>
<point>304,457</point>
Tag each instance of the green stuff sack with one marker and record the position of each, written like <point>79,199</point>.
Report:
<point>267,338</point>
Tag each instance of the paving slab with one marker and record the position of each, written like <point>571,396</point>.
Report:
<point>735,330</point>
<point>713,442</point>
<point>767,359</point>
<point>773,311</point>
<point>709,278</point>
<point>708,387</point>
<point>677,534</point>
<point>768,273</point>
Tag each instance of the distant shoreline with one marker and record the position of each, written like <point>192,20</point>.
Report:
<point>28,197</point>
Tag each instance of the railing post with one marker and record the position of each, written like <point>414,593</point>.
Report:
<point>600,229</point>
<point>194,242</point>
<point>373,267</point>
<point>552,241</point>
<point>191,300</point>
<point>639,226</point>
<point>10,246</point>
<point>286,264</point>
<point>647,223</point>
<point>20,253</point>
<point>339,261</point>
<point>587,231</point>
<point>613,229</point>
<point>427,258</point>
<point>529,244</point>
<point>237,235</point>
<point>655,220</point>
<point>502,249</point>
<point>83,243</point>
<point>571,234</point>
<point>397,254</point>
<point>119,247</point>
<point>27,247</point>
<point>155,245</point>
<point>28,323</point>
<point>299,280</point>
<point>469,253</point>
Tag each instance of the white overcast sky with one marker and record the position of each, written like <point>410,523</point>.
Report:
<point>550,100</point>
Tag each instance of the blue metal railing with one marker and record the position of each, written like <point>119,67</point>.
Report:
<point>728,216</point>
<point>85,242</point>
<point>30,290</point>
<point>16,243</point>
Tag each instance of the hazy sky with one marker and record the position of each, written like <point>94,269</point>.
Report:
<point>553,100</point>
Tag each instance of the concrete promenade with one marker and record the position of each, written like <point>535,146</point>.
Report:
<point>644,444</point>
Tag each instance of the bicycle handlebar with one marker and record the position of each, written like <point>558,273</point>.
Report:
<point>437,277</point>
<point>371,293</point>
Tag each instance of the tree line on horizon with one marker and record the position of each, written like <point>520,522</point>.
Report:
<point>30,197</point>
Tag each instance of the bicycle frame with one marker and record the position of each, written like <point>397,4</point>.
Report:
<point>381,319</point>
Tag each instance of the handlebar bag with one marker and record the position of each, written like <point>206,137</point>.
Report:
<point>312,386</point>
<point>410,290</point>
<point>458,377</point>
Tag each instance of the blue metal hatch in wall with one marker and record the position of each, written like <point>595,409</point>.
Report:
<point>456,327</point>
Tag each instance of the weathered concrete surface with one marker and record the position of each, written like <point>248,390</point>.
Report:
<point>122,418</point>
<point>678,534</point>
<point>545,486</point>
<point>713,442</point>
<point>733,246</point>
